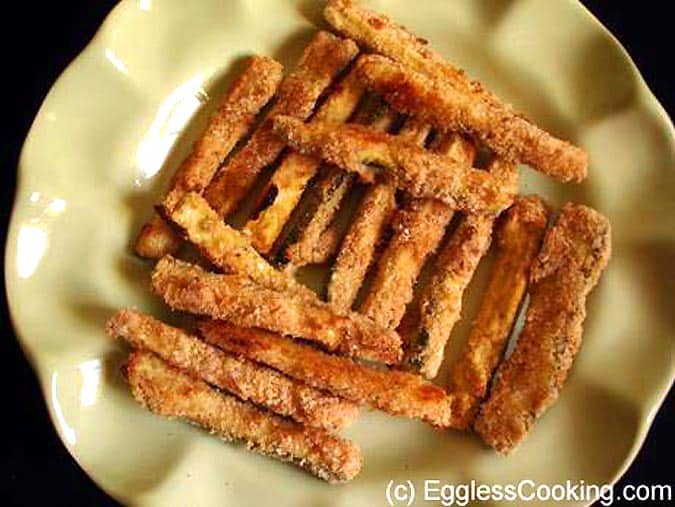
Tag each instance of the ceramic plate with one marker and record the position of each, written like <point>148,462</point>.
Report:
<point>121,117</point>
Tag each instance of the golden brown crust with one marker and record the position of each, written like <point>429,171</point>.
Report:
<point>318,239</point>
<point>441,300</point>
<point>395,392</point>
<point>247,380</point>
<point>417,230</point>
<point>510,135</point>
<point>575,252</point>
<point>519,235</point>
<point>441,303</point>
<point>324,58</point>
<point>156,239</point>
<point>296,170</point>
<point>380,34</point>
<point>310,244</point>
<point>227,248</point>
<point>167,391</point>
<point>233,118</point>
<point>421,173</point>
<point>237,299</point>
<point>359,245</point>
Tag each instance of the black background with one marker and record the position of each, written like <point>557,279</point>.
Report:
<point>41,38</point>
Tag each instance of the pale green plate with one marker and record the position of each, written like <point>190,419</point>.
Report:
<point>122,116</point>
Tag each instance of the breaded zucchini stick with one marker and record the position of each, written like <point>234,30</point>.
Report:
<point>418,229</point>
<point>319,240</point>
<point>246,379</point>
<point>292,176</point>
<point>228,248</point>
<point>380,34</point>
<point>359,246</point>
<point>441,300</point>
<point>575,252</point>
<point>235,298</point>
<point>324,58</point>
<point>167,391</point>
<point>395,392</point>
<point>445,107</point>
<point>233,118</point>
<point>519,235</point>
<point>421,173</point>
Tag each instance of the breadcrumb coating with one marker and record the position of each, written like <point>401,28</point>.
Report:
<point>421,173</point>
<point>445,107</point>
<point>167,391</point>
<point>228,248</point>
<point>575,252</point>
<point>395,392</point>
<point>238,299</point>
<point>518,236</point>
<point>319,240</point>
<point>440,304</point>
<point>323,59</point>
<point>292,176</point>
<point>418,229</point>
<point>233,118</point>
<point>245,379</point>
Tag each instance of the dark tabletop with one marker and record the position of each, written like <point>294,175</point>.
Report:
<point>41,38</point>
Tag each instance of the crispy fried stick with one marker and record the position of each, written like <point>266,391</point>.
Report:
<point>418,229</point>
<point>167,391</point>
<point>445,107</point>
<point>395,392</point>
<point>324,58</point>
<point>296,170</point>
<point>227,248</point>
<point>380,34</point>
<point>235,298</point>
<point>319,240</point>
<point>359,246</point>
<point>420,173</point>
<point>575,252</point>
<point>519,236</point>
<point>246,379</point>
<point>238,108</point>
<point>231,251</point>
<point>441,301</point>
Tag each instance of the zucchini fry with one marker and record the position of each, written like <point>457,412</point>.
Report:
<point>575,253</point>
<point>292,176</point>
<point>380,34</point>
<point>395,392</point>
<point>227,248</point>
<point>519,235</point>
<point>359,245</point>
<point>324,58</point>
<point>318,239</point>
<point>167,391</point>
<point>233,118</point>
<point>421,173</point>
<point>418,229</point>
<point>510,135</point>
<point>245,379</point>
<point>441,301</point>
<point>235,298</point>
